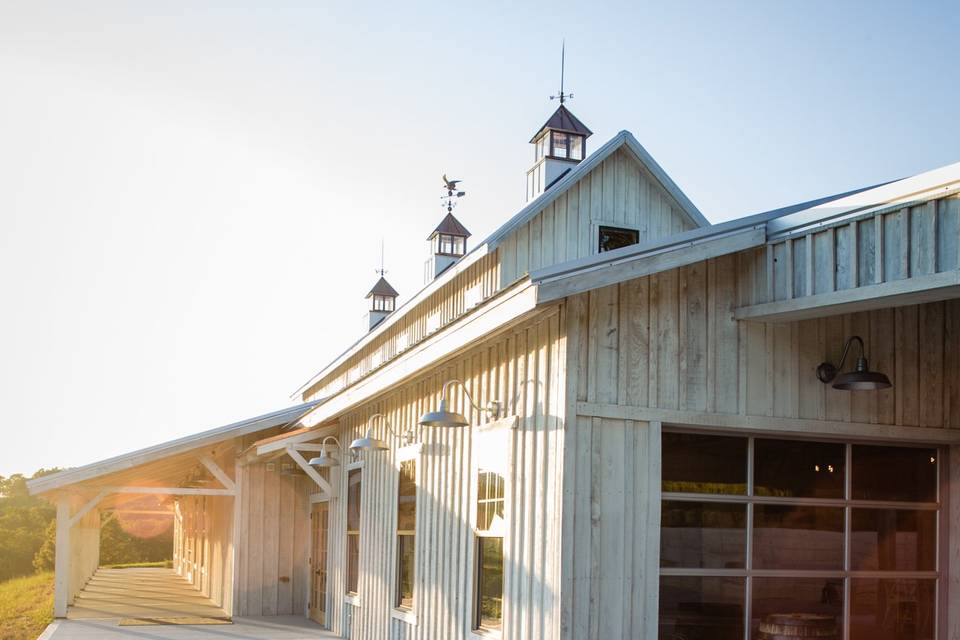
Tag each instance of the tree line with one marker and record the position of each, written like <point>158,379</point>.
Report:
<point>28,533</point>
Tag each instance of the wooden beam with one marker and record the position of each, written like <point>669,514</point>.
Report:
<point>61,580</point>
<point>321,482</point>
<point>172,491</point>
<point>601,274</point>
<point>218,473</point>
<point>296,440</point>
<point>830,429</point>
<point>895,293</point>
<point>86,508</point>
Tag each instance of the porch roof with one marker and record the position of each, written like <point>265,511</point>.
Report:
<point>167,461</point>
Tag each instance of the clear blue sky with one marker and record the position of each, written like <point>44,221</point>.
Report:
<point>193,194</point>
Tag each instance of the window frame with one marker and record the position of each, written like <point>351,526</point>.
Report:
<point>600,226</point>
<point>940,573</point>
<point>499,436</point>
<point>405,455</point>
<point>353,595</point>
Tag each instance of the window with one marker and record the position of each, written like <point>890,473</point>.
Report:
<point>615,237</point>
<point>559,144</point>
<point>576,147</point>
<point>450,245</point>
<point>489,551</point>
<point>382,303</point>
<point>755,529</point>
<point>406,527</point>
<point>353,529</point>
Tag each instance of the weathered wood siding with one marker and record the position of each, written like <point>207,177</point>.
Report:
<point>668,345</point>
<point>669,341</point>
<point>273,541</point>
<point>203,545</point>
<point>894,244</point>
<point>444,569</point>
<point>619,192</point>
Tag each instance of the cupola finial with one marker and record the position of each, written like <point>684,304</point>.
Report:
<point>563,54</point>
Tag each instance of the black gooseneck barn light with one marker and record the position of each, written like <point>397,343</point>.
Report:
<point>860,379</point>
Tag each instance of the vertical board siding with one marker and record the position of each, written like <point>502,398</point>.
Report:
<point>669,341</point>
<point>522,369</point>
<point>273,568</point>
<point>618,192</point>
<point>913,241</point>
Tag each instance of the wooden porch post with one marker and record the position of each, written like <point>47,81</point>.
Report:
<point>61,584</point>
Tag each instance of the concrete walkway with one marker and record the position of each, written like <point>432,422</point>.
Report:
<point>115,594</point>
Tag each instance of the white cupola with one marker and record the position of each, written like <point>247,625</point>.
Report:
<point>383,300</point>
<point>448,242</point>
<point>559,145</point>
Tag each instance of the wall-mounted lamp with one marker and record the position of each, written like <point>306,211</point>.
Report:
<point>860,379</point>
<point>369,443</point>
<point>443,417</point>
<point>325,459</point>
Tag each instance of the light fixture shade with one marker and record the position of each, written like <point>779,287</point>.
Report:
<point>861,379</point>
<point>443,418</point>
<point>324,460</point>
<point>369,443</point>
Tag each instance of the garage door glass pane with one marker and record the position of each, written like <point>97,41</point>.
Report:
<point>694,463</point>
<point>821,598</point>
<point>798,469</point>
<point>703,534</point>
<point>797,537</point>
<point>900,609</point>
<point>894,473</point>
<point>695,608</point>
<point>893,540</point>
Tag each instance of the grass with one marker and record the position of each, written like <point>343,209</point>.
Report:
<point>26,606</point>
<point>165,564</point>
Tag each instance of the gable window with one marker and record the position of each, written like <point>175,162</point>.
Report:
<point>611,238</point>
<point>488,585</point>
<point>353,529</point>
<point>762,536</point>
<point>406,533</point>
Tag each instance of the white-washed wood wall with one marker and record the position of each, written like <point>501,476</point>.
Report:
<point>273,542</point>
<point>618,192</point>
<point>894,244</point>
<point>668,344</point>
<point>85,550</point>
<point>203,545</point>
<point>444,546</point>
<point>669,341</point>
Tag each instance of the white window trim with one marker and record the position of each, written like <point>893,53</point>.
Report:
<point>352,599</point>
<point>507,425</point>
<point>405,454</point>
<point>405,615</point>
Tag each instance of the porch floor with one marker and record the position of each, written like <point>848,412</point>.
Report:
<point>140,593</point>
<point>114,594</point>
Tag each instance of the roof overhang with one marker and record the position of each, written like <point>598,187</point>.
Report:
<point>168,458</point>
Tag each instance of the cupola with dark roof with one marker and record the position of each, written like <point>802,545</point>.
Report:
<point>383,300</point>
<point>448,242</point>
<point>559,145</point>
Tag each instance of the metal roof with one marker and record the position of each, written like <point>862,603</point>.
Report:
<point>382,288</point>
<point>176,447</point>
<point>563,120</point>
<point>450,226</point>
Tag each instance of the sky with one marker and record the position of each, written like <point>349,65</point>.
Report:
<point>193,194</point>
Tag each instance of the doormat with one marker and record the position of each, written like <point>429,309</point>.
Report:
<point>137,622</point>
